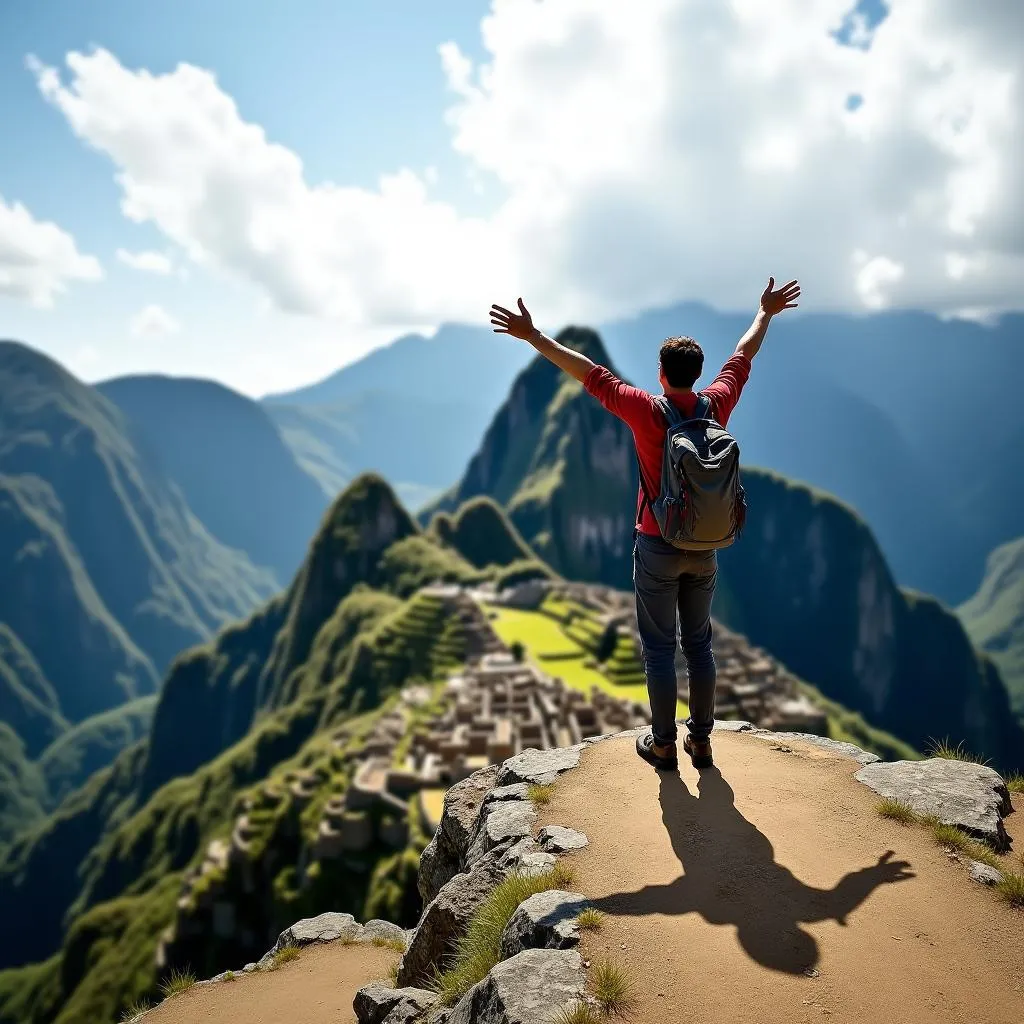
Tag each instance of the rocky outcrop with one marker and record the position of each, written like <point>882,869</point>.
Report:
<point>376,1004</point>
<point>445,856</point>
<point>487,832</point>
<point>970,796</point>
<point>530,987</point>
<point>545,921</point>
<point>331,927</point>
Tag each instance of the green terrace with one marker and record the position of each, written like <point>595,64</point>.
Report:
<point>567,641</point>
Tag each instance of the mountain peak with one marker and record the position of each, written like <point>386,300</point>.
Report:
<point>586,341</point>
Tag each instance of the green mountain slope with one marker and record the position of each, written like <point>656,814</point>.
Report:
<point>994,617</point>
<point>264,683</point>
<point>28,703</point>
<point>85,748</point>
<point>807,581</point>
<point>22,789</point>
<point>107,572</point>
<point>224,452</point>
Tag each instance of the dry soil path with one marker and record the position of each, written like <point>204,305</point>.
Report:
<point>767,889</point>
<point>317,987</point>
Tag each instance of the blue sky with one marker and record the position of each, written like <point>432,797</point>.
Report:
<point>321,177</point>
<point>355,88</point>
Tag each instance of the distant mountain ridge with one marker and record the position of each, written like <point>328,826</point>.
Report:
<point>994,617</point>
<point>863,406</point>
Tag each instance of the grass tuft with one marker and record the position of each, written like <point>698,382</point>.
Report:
<point>590,920</point>
<point>393,974</point>
<point>228,976</point>
<point>576,1013</point>
<point>283,955</point>
<point>943,748</point>
<point>540,796</point>
<point>479,949</point>
<point>611,988</point>
<point>1015,783</point>
<point>956,839</point>
<point>1011,888</point>
<point>896,810</point>
<point>394,944</point>
<point>176,982</point>
<point>134,1011</point>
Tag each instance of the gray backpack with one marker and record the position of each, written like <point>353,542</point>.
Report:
<point>702,504</point>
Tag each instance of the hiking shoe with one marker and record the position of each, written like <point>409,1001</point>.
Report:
<point>663,758</point>
<point>699,751</point>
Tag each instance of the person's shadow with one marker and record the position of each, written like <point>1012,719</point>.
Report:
<point>730,876</point>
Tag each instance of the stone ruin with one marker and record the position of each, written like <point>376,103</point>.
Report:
<point>752,685</point>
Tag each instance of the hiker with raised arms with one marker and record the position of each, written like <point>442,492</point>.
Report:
<point>690,503</point>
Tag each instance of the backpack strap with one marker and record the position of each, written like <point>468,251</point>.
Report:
<point>703,408</point>
<point>668,410</point>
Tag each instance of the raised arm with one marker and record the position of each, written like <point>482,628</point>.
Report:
<point>520,325</point>
<point>773,301</point>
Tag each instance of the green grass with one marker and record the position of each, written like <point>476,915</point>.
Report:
<point>479,949</point>
<point>896,810</point>
<point>559,656</point>
<point>943,748</point>
<point>577,1013</point>
<point>176,982</point>
<point>1011,889</point>
<point>540,796</point>
<point>956,839</point>
<point>396,945</point>
<point>590,920</point>
<point>283,956</point>
<point>393,974</point>
<point>1015,783</point>
<point>611,988</point>
<point>228,976</point>
<point>134,1011</point>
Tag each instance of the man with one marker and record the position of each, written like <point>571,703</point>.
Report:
<point>669,581</point>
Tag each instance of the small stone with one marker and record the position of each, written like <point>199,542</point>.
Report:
<point>558,839</point>
<point>377,1004</point>
<point>538,766</point>
<point>546,920</point>
<point>984,874</point>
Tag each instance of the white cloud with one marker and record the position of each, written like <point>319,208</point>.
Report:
<point>153,322</point>
<point>37,258</point>
<point>645,153</point>
<point>153,262</point>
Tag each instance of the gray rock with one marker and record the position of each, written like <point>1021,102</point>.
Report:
<point>529,988</point>
<point>377,1004</point>
<point>538,766</point>
<point>559,839</point>
<point>527,858</point>
<point>445,856</point>
<point>985,874</point>
<point>838,747</point>
<point>517,791</point>
<point>544,921</point>
<point>383,931</point>
<point>505,822</point>
<point>323,928</point>
<point>445,919</point>
<point>248,968</point>
<point>734,725</point>
<point>960,793</point>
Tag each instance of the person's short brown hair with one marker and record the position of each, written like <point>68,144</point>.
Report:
<point>682,361</point>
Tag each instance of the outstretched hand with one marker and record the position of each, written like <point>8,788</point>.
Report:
<point>519,325</point>
<point>775,300</point>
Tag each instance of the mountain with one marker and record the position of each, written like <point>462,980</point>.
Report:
<point>22,789</point>
<point>994,617</point>
<point>863,406</point>
<point>107,572</point>
<point>807,581</point>
<point>482,533</point>
<point>227,457</point>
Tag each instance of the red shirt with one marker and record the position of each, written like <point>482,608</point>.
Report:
<point>637,410</point>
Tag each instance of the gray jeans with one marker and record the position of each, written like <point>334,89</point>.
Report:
<point>671,583</point>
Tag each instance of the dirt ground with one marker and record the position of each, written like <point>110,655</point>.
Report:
<point>317,987</point>
<point>768,889</point>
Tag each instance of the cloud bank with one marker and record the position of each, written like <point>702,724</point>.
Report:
<point>645,153</point>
